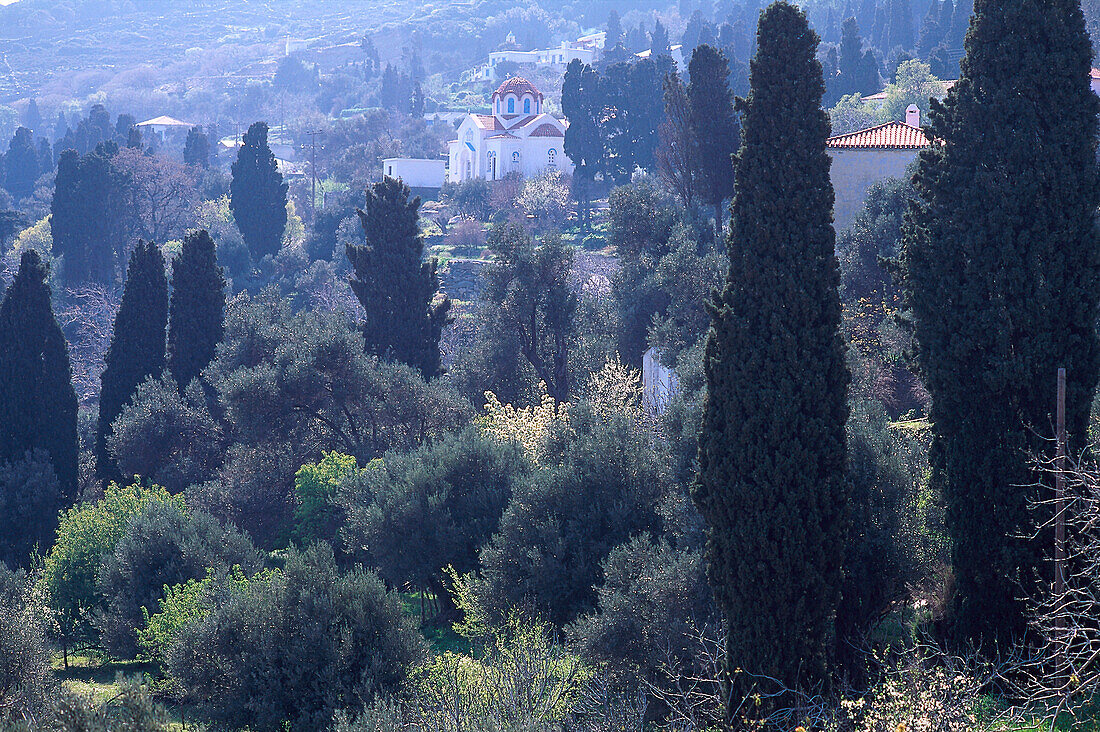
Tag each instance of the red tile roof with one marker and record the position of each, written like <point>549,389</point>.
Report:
<point>488,122</point>
<point>546,130</point>
<point>890,136</point>
<point>503,136</point>
<point>1094,74</point>
<point>522,123</point>
<point>518,86</point>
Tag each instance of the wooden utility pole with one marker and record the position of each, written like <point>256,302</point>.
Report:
<point>1060,493</point>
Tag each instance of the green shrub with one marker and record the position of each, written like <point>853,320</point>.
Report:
<point>86,534</point>
<point>317,515</point>
<point>163,544</point>
<point>26,684</point>
<point>30,497</point>
<point>290,648</point>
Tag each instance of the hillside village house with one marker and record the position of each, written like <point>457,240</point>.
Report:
<point>518,137</point>
<point>863,158</point>
<point>585,49</point>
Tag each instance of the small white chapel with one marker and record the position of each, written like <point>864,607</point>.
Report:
<point>517,137</point>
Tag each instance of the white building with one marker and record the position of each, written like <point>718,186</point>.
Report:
<point>517,137</point>
<point>659,382</point>
<point>416,172</point>
<point>556,57</point>
<point>676,52</point>
<point>863,158</point>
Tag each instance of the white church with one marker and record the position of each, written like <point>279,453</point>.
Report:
<point>517,137</point>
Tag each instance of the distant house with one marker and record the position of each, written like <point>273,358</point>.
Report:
<point>416,172</point>
<point>585,50</point>
<point>863,158</point>
<point>164,124</point>
<point>518,137</point>
<point>677,53</point>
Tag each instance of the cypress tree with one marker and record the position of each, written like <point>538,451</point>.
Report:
<point>137,347</point>
<point>899,33</point>
<point>1000,266</point>
<point>196,149</point>
<point>21,165</point>
<point>772,450</point>
<point>37,402</point>
<point>658,40</point>
<point>715,134</point>
<point>197,308</point>
<point>257,194</point>
<point>582,101</point>
<point>396,287</point>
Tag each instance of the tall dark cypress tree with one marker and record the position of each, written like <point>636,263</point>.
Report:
<point>196,320</point>
<point>137,346</point>
<point>1001,274</point>
<point>772,451</point>
<point>396,287</point>
<point>582,101</point>
<point>257,194</point>
<point>196,149</point>
<point>715,133</point>
<point>21,165</point>
<point>37,402</point>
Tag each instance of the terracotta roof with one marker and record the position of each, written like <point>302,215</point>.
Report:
<point>163,121</point>
<point>517,85</point>
<point>892,135</point>
<point>522,123</point>
<point>546,130</point>
<point>487,122</point>
<point>503,136</point>
<point>1094,74</point>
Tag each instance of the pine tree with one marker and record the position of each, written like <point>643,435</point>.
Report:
<point>772,450</point>
<point>257,194</point>
<point>614,30</point>
<point>396,287</point>
<point>197,308</point>
<point>137,347</point>
<point>21,165</point>
<point>37,403</point>
<point>1003,279</point>
<point>714,127</point>
<point>658,40</point>
<point>899,31</point>
<point>196,149</point>
<point>90,215</point>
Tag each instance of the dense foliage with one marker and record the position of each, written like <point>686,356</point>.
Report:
<point>772,448</point>
<point>1001,278</point>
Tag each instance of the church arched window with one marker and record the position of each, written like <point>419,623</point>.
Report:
<point>511,105</point>
<point>527,106</point>
<point>550,157</point>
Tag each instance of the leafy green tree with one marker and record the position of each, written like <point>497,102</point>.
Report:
<point>416,514</point>
<point>1002,281</point>
<point>543,559</point>
<point>86,533</point>
<point>30,498</point>
<point>196,149</point>
<point>196,309</point>
<point>404,318</point>
<point>317,513</point>
<point>715,134</point>
<point>772,451</point>
<point>653,601</point>
<point>137,347</point>
<point>257,194</point>
<point>294,647</point>
<point>27,685</point>
<point>168,436</point>
<point>164,543</point>
<point>21,165</point>
<point>38,405</point>
<point>528,286</point>
<point>582,103</point>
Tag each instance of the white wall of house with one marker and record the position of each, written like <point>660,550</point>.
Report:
<point>854,170</point>
<point>416,172</point>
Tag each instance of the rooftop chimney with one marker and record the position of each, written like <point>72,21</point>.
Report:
<point>912,116</point>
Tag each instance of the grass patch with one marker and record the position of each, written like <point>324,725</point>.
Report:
<point>438,632</point>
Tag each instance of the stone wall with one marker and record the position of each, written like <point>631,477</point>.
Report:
<point>461,278</point>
